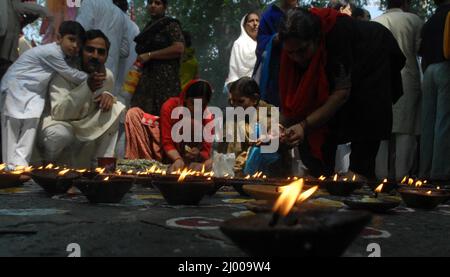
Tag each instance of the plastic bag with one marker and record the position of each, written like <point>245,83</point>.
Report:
<point>223,164</point>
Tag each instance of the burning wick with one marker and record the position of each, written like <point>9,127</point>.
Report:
<point>290,195</point>
<point>378,190</point>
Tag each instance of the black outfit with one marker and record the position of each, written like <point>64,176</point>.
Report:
<point>160,78</point>
<point>431,36</point>
<point>371,54</point>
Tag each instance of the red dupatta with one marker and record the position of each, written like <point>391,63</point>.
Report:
<point>301,94</point>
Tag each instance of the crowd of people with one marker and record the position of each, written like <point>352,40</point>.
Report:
<point>355,95</point>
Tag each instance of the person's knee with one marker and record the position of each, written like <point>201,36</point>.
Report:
<point>55,139</point>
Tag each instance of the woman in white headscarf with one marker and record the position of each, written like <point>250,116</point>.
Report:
<point>243,57</point>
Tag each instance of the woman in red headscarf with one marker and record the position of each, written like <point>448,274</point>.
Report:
<point>178,113</point>
<point>338,80</point>
<point>171,137</point>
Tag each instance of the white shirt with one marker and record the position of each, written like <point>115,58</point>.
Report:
<point>243,56</point>
<point>25,84</point>
<point>126,63</point>
<point>107,17</point>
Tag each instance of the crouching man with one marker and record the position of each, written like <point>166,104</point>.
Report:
<point>80,123</point>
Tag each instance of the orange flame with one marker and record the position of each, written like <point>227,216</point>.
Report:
<point>290,195</point>
<point>203,169</point>
<point>354,178</point>
<point>322,178</point>
<point>63,172</point>
<point>2,166</point>
<point>335,178</point>
<point>49,166</point>
<point>106,179</point>
<point>410,181</point>
<point>419,184</point>
<point>100,170</point>
<point>429,192</point>
<point>307,194</point>
<point>379,188</point>
<point>81,170</point>
<point>184,174</point>
<point>404,180</point>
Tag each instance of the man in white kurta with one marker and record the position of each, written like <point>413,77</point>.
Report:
<point>23,92</point>
<point>124,65</point>
<point>406,28</point>
<point>107,17</point>
<point>75,130</point>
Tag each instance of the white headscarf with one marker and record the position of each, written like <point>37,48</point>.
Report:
<point>243,56</point>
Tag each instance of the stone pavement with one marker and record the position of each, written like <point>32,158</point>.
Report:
<point>33,224</point>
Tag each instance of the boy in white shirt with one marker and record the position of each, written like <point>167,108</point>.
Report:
<point>24,89</point>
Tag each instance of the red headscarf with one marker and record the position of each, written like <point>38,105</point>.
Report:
<point>166,123</point>
<point>301,94</point>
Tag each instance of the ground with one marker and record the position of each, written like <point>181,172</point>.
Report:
<point>34,224</point>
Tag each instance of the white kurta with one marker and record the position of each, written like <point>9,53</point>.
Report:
<point>107,17</point>
<point>10,11</point>
<point>126,63</point>
<point>25,84</point>
<point>243,57</point>
<point>72,118</point>
<point>406,28</point>
<point>75,105</point>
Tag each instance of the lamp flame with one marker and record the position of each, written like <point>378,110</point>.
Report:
<point>290,195</point>
<point>63,172</point>
<point>379,188</point>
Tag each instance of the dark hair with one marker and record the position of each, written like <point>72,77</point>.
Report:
<point>122,4</point>
<point>390,4</point>
<point>199,89</point>
<point>360,12</point>
<point>338,4</point>
<point>165,2</point>
<point>187,38</point>
<point>93,34</point>
<point>72,28</point>
<point>248,15</point>
<point>246,87</point>
<point>302,25</point>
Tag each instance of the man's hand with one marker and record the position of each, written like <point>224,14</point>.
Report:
<point>95,81</point>
<point>105,101</point>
